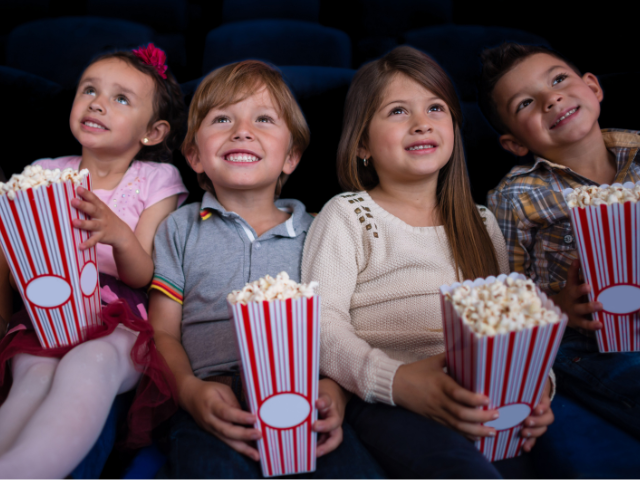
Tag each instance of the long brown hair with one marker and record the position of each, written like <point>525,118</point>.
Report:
<point>473,250</point>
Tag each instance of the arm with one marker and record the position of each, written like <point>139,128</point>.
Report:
<point>212,405</point>
<point>131,251</point>
<point>333,255</point>
<point>518,240</point>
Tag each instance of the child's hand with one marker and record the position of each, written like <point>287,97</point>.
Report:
<point>424,388</point>
<point>216,410</point>
<point>570,301</point>
<point>105,226</point>
<point>536,424</point>
<point>332,401</point>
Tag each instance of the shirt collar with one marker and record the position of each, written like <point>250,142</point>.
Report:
<point>297,224</point>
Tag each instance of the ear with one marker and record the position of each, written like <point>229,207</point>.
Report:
<point>194,160</point>
<point>592,82</point>
<point>513,145</point>
<point>363,152</point>
<point>291,162</point>
<point>156,133</point>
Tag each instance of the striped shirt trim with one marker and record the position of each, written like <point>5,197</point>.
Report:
<point>166,287</point>
<point>205,213</point>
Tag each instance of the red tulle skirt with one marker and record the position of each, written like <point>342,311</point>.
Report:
<point>156,394</point>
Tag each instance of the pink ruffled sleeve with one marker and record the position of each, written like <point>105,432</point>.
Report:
<point>162,180</point>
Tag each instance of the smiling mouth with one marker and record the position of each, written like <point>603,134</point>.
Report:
<point>566,115</point>
<point>241,158</point>
<point>94,125</point>
<point>420,147</point>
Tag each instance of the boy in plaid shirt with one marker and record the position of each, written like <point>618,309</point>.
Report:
<point>541,103</point>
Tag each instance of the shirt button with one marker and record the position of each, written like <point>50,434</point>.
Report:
<point>568,239</point>
<point>257,245</point>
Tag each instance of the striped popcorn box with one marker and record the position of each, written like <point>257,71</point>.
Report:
<point>608,239</point>
<point>510,368</point>
<point>57,281</point>
<point>279,342</point>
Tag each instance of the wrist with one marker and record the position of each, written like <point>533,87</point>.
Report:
<point>187,386</point>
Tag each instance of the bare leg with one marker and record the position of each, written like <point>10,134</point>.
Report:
<point>32,381</point>
<point>70,419</point>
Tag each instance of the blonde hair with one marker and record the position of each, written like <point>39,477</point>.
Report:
<point>234,83</point>
<point>473,250</point>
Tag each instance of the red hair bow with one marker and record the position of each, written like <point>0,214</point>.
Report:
<point>153,56</point>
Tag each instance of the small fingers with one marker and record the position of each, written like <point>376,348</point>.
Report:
<point>586,324</point>
<point>329,442</point>
<point>232,414</point>
<point>85,207</point>
<point>587,308</point>
<point>242,447</point>
<point>472,429</point>
<point>88,225</point>
<point>528,444</point>
<point>234,432</point>
<point>92,241</point>
<point>323,404</point>
<point>466,397</point>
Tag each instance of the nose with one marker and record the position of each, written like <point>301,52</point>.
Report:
<point>421,124</point>
<point>242,131</point>
<point>96,106</point>
<point>552,98</point>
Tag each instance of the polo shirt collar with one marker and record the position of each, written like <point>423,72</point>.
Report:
<point>297,224</point>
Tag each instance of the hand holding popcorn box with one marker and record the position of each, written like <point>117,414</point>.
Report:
<point>501,338</point>
<point>277,324</point>
<point>57,281</point>
<point>606,222</point>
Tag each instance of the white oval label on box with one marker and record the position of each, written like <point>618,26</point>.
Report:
<point>620,299</point>
<point>285,410</point>
<point>48,291</point>
<point>510,416</point>
<point>89,278</point>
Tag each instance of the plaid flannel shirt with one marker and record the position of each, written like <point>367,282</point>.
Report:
<point>534,218</point>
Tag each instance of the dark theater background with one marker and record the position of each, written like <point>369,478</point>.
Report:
<point>318,45</point>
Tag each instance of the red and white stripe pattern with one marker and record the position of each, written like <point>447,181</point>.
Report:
<point>57,281</point>
<point>608,239</point>
<point>279,344</point>
<point>511,369</point>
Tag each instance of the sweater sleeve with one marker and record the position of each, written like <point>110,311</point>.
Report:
<point>333,256</point>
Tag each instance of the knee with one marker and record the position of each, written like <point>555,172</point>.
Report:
<point>96,353</point>
<point>33,367</point>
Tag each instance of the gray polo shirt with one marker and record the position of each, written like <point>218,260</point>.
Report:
<point>201,253</point>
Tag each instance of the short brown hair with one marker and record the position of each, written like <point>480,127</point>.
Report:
<point>473,250</point>
<point>234,83</point>
<point>496,62</point>
<point>168,105</point>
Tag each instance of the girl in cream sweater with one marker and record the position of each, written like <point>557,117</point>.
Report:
<point>381,252</point>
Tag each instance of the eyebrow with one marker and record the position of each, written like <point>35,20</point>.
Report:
<point>117,85</point>
<point>434,97</point>
<point>551,69</point>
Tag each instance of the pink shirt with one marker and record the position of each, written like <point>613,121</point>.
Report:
<point>143,185</point>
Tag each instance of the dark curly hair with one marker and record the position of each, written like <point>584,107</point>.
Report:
<point>168,104</point>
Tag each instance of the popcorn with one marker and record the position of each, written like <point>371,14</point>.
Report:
<point>269,288</point>
<point>501,307</point>
<point>606,195</point>
<point>35,176</point>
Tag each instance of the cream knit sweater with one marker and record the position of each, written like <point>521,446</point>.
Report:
<point>379,283</point>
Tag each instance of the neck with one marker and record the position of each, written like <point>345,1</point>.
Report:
<point>413,202</point>
<point>255,206</point>
<point>588,157</point>
<point>105,169</point>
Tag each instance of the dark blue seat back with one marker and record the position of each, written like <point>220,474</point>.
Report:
<point>60,48</point>
<point>161,15</point>
<point>282,42</point>
<point>241,10</point>
<point>457,48</point>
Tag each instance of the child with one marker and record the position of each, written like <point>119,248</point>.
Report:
<point>381,254</point>
<point>127,111</point>
<point>542,104</point>
<point>246,135</point>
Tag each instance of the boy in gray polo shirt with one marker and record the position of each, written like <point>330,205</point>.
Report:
<point>246,135</point>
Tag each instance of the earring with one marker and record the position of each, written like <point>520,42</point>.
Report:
<point>145,140</point>
<point>366,163</point>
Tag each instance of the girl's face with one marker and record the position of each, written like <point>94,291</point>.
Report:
<point>411,135</point>
<point>244,146</point>
<point>113,108</point>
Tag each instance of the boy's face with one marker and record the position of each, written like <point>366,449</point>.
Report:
<point>546,106</point>
<point>244,146</point>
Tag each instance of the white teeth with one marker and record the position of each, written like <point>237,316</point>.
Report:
<point>242,157</point>
<point>421,147</point>
<point>569,113</point>
<point>94,125</point>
